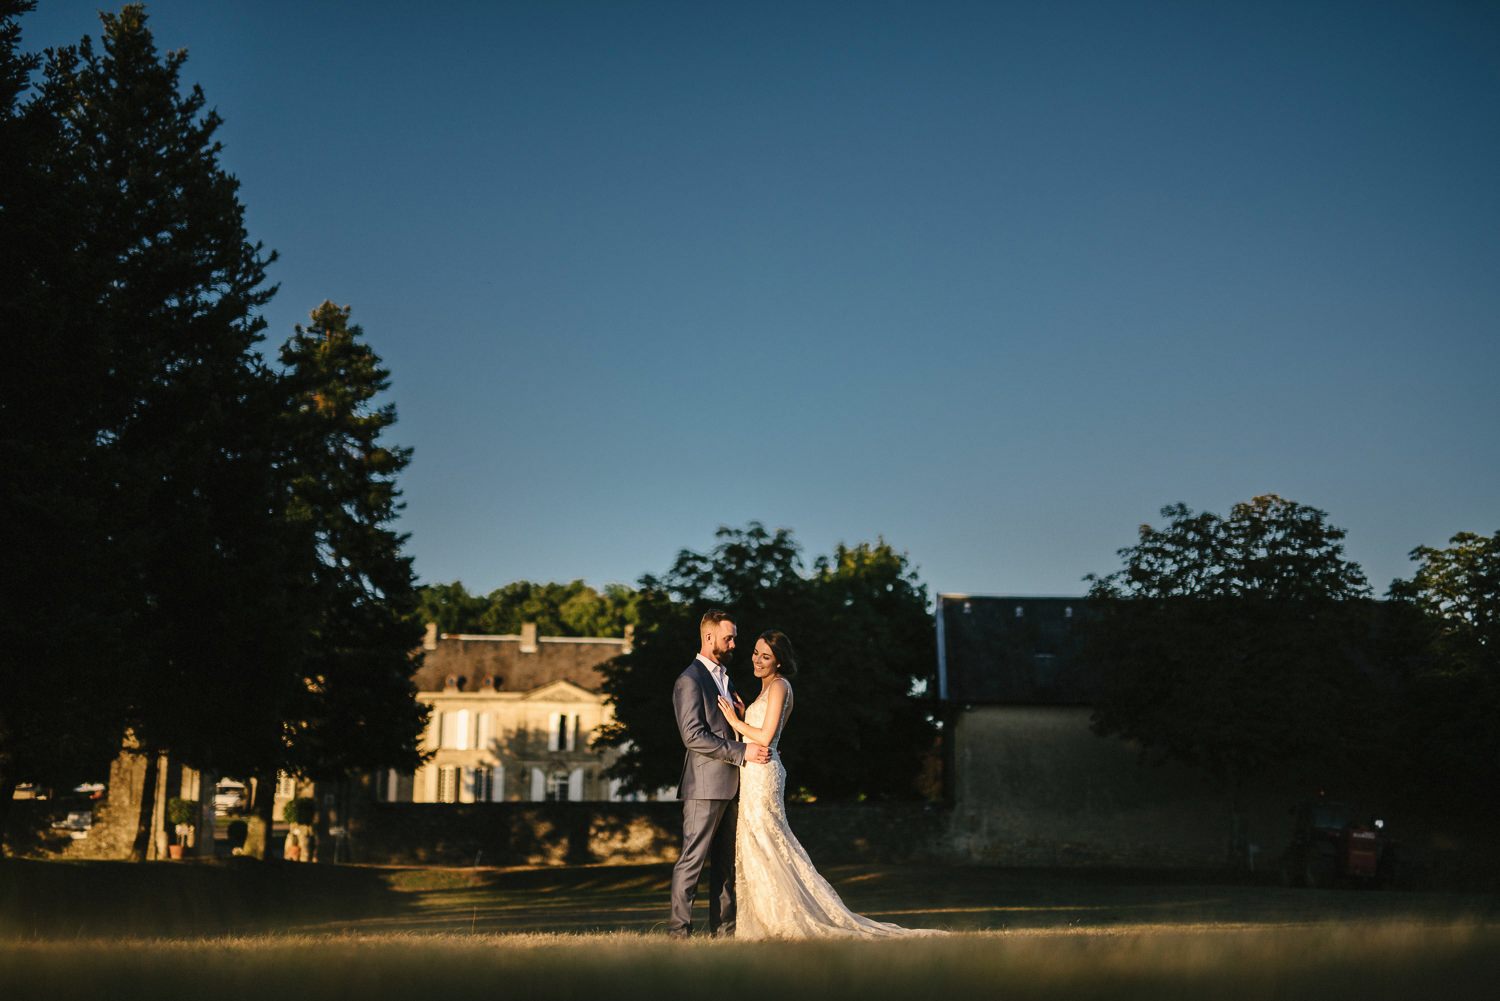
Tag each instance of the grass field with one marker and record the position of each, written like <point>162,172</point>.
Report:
<point>163,931</point>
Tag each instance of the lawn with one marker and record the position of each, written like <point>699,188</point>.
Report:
<point>107,930</point>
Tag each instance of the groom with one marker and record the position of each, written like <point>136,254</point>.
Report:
<point>710,779</point>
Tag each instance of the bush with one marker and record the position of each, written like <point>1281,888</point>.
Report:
<point>182,812</point>
<point>300,811</point>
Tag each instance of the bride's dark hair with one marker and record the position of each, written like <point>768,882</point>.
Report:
<point>781,649</point>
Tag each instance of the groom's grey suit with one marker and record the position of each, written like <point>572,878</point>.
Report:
<point>708,788</point>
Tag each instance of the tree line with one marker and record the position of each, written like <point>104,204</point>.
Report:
<point>859,621</point>
<point>1249,643</point>
<point>200,558</point>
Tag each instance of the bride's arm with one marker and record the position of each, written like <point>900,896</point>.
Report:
<point>758,735</point>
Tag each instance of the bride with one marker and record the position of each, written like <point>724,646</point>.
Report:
<point>780,894</point>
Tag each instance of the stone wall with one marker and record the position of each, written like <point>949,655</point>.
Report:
<point>1034,786</point>
<point>619,833</point>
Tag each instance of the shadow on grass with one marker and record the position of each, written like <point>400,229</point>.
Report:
<point>52,899</point>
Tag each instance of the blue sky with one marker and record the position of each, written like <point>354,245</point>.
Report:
<point>995,281</point>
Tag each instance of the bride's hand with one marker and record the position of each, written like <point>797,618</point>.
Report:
<point>727,708</point>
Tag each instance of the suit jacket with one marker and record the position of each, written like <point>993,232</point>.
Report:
<point>711,767</point>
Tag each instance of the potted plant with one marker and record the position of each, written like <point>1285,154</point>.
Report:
<point>183,816</point>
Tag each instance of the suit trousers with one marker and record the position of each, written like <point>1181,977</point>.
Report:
<point>708,827</point>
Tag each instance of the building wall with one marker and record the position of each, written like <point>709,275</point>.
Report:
<point>1032,785</point>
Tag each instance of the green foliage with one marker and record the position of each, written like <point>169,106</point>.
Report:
<point>68,593</point>
<point>864,640</point>
<point>301,810</point>
<point>206,552</point>
<point>182,811</point>
<point>1235,643</point>
<point>357,705</point>
<point>1450,611</point>
<point>572,609</point>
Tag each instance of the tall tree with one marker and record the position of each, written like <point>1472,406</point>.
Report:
<point>1234,643</point>
<point>1452,696</point>
<point>187,413</point>
<point>863,637</point>
<point>61,698</point>
<point>358,708</point>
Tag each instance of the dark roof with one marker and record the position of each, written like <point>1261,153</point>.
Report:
<point>994,649</point>
<point>475,658</point>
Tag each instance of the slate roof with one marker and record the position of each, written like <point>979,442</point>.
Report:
<point>471,659</point>
<point>994,649</point>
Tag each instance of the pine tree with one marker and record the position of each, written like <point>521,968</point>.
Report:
<point>358,710</point>
<point>166,305</point>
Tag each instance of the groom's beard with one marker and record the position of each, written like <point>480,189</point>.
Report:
<point>724,657</point>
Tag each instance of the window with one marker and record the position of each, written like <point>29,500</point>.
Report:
<point>559,787</point>
<point>486,731</point>
<point>1020,611</point>
<point>447,791</point>
<point>1068,612</point>
<point>481,784</point>
<point>457,728</point>
<point>562,731</point>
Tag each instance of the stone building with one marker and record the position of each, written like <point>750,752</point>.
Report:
<point>512,717</point>
<point>1031,784</point>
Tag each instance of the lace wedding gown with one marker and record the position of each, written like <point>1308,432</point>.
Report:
<point>778,892</point>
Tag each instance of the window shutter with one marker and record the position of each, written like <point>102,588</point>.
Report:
<point>571,725</point>
<point>552,730</point>
<point>432,784</point>
<point>461,730</point>
<point>538,785</point>
<point>575,785</point>
<point>497,784</point>
<point>466,790</point>
<point>486,731</point>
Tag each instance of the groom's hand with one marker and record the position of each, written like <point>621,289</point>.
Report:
<point>756,754</point>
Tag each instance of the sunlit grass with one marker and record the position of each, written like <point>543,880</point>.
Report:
<point>1366,961</point>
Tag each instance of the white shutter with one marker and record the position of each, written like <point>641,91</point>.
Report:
<point>570,725</point>
<point>552,728</point>
<point>392,785</point>
<point>432,783</point>
<point>575,785</point>
<point>538,785</point>
<point>614,790</point>
<point>497,784</point>
<point>462,730</point>
<point>486,731</point>
<point>466,791</point>
<point>435,731</point>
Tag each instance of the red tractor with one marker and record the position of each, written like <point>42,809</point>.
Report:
<point>1330,845</point>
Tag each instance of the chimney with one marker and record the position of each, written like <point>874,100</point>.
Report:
<point>528,637</point>
<point>429,639</point>
<point>629,646</point>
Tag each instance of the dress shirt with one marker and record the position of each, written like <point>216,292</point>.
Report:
<point>720,676</point>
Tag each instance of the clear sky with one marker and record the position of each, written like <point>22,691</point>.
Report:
<point>995,280</point>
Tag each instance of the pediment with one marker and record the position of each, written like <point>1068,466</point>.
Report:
<point>560,691</point>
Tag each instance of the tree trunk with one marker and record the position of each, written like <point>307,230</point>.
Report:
<point>264,808</point>
<point>142,843</point>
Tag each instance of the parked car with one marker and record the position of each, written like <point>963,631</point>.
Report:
<point>230,797</point>
<point>77,823</point>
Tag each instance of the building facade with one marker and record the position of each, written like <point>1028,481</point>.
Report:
<point>512,720</point>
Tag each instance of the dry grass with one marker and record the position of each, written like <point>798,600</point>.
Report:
<point>1367,961</point>
<point>107,931</point>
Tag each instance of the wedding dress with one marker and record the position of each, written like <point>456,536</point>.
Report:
<point>779,893</point>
